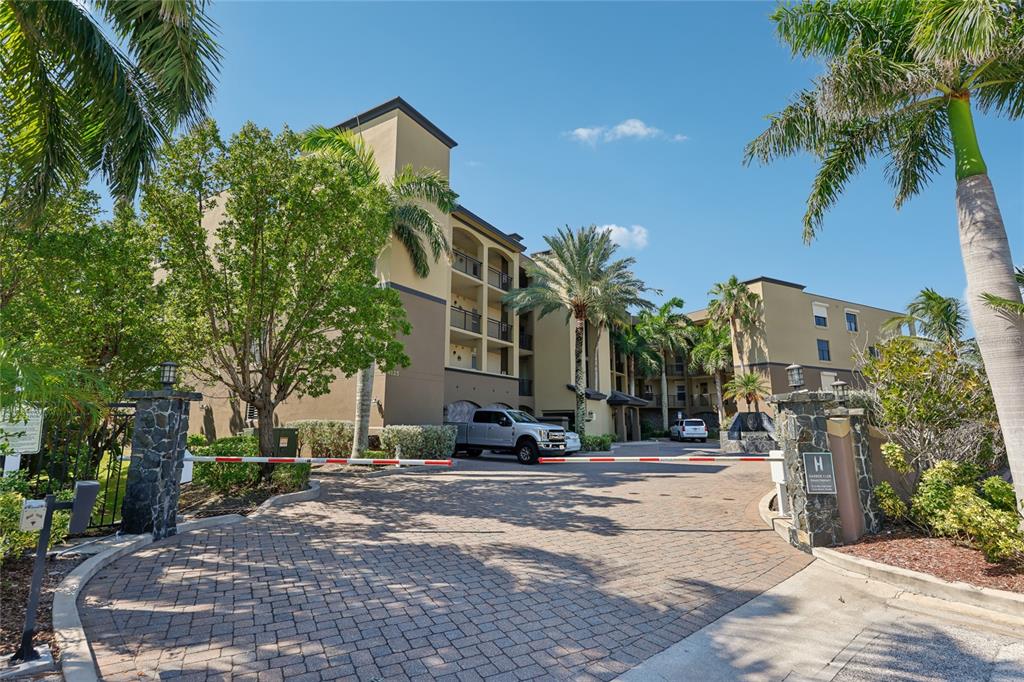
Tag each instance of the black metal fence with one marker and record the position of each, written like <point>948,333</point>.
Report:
<point>75,451</point>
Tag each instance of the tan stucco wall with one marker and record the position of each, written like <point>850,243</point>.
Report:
<point>415,394</point>
<point>480,388</point>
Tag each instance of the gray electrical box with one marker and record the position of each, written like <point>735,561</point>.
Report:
<point>81,510</point>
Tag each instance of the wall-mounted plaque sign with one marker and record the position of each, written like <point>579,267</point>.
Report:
<point>820,474</point>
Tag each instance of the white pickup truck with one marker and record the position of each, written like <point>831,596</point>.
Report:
<point>506,430</point>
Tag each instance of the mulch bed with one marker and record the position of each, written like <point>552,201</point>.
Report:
<point>941,557</point>
<point>15,580</point>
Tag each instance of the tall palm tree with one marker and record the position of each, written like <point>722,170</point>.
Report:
<point>578,275</point>
<point>749,387</point>
<point>412,225</point>
<point>640,357</point>
<point>939,319</point>
<point>666,331</point>
<point>900,78</point>
<point>733,303</point>
<point>711,352</point>
<point>99,85</point>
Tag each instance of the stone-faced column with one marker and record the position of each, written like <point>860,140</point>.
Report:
<point>801,426</point>
<point>862,465</point>
<point>158,449</point>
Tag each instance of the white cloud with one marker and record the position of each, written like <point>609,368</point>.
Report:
<point>632,237</point>
<point>630,129</point>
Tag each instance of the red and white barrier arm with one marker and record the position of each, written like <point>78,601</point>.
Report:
<point>668,460</point>
<point>320,460</point>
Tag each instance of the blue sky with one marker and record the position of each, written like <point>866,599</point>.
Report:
<point>510,82</point>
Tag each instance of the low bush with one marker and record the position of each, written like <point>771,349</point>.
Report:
<point>14,482</point>
<point>935,490</point>
<point>601,443</point>
<point>889,502</point>
<point>418,442</point>
<point>14,542</point>
<point>197,440</point>
<point>999,494</point>
<point>994,531</point>
<point>225,478</point>
<point>325,437</point>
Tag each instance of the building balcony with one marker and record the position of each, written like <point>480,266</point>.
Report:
<point>525,340</point>
<point>467,265</point>
<point>496,329</point>
<point>526,387</point>
<point>673,401</point>
<point>466,320</point>
<point>499,279</point>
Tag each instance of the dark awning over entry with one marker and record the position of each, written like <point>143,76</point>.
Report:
<point>620,398</point>
<point>591,393</point>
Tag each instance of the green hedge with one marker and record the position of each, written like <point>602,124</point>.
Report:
<point>418,442</point>
<point>230,477</point>
<point>325,437</point>
<point>602,443</point>
<point>13,542</point>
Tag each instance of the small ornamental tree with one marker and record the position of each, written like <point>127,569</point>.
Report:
<point>270,267</point>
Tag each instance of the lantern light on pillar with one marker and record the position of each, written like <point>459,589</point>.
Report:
<point>168,374</point>
<point>796,376</point>
<point>842,390</point>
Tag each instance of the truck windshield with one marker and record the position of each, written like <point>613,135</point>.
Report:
<point>522,417</point>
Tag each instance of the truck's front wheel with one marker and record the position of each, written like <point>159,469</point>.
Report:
<point>526,451</point>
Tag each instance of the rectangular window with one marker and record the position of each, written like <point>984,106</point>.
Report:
<point>824,354</point>
<point>827,379</point>
<point>820,311</point>
<point>681,392</point>
<point>851,322</point>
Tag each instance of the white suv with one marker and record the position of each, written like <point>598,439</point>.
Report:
<point>689,429</point>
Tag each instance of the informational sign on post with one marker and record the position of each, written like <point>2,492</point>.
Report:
<point>25,437</point>
<point>820,473</point>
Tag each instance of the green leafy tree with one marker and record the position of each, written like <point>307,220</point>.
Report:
<point>749,387</point>
<point>734,304</point>
<point>665,330</point>
<point>901,81</point>
<point>99,85</point>
<point>641,359</point>
<point>411,224</point>
<point>270,258</point>
<point>577,274</point>
<point>938,319</point>
<point>711,352</point>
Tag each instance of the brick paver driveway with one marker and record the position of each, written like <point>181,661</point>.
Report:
<point>489,571</point>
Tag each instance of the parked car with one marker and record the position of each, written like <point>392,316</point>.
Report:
<point>689,429</point>
<point>572,442</point>
<point>507,430</point>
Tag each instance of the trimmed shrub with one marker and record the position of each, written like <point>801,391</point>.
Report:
<point>14,482</point>
<point>225,478</point>
<point>197,440</point>
<point>994,531</point>
<point>601,443</point>
<point>418,442</point>
<point>325,437</point>
<point>889,502</point>
<point>935,491</point>
<point>999,494</point>
<point>13,542</point>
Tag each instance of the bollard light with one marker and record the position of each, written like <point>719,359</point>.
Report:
<point>842,390</point>
<point>796,375</point>
<point>168,374</point>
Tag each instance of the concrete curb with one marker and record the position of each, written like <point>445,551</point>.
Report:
<point>77,662</point>
<point>1001,601</point>
<point>1009,603</point>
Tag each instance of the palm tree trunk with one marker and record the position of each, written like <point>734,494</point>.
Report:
<point>664,392</point>
<point>739,348</point>
<point>364,394</point>
<point>581,379</point>
<point>631,372</point>
<point>718,396</point>
<point>987,263</point>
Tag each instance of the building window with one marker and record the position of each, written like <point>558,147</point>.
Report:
<point>824,354</point>
<point>681,392</point>
<point>851,322</point>
<point>820,314</point>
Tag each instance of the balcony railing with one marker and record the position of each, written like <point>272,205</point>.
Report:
<point>525,340</point>
<point>526,387</point>
<point>467,264</point>
<point>496,329</point>
<point>673,401</point>
<point>499,279</point>
<point>465,319</point>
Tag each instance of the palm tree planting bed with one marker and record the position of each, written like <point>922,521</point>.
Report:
<point>941,557</point>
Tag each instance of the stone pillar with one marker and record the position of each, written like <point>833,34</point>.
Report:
<point>862,465</point>
<point>158,449</point>
<point>802,426</point>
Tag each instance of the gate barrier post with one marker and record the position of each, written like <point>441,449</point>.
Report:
<point>802,427</point>
<point>158,450</point>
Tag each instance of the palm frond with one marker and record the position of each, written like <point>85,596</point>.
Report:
<point>422,222</point>
<point>1001,89</point>
<point>425,185</point>
<point>797,128</point>
<point>410,239</point>
<point>917,150</point>
<point>827,28</point>
<point>955,30</point>
<point>345,147</point>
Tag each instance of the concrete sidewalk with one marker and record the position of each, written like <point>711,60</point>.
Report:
<point>826,624</point>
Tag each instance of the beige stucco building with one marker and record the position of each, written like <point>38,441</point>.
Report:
<point>467,348</point>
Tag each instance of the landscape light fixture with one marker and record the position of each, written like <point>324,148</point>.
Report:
<point>168,374</point>
<point>796,376</point>
<point>842,390</point>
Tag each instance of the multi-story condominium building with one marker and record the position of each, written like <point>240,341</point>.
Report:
<point>793,326</point>
<point>467,348</point>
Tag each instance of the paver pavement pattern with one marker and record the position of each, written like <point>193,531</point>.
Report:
<point>489,571</point>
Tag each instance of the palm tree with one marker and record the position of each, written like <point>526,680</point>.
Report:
<point>1004,304</point>
<point>639,356</point>
<point>749,387</point>
<point>939,319</point>
<point>733,303</point>
<point>577,275</point>
<point>411,224</point>
<point>712,353</point>
<point>899,82</point>
<point>666,332</point>
<point>74,100</point>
